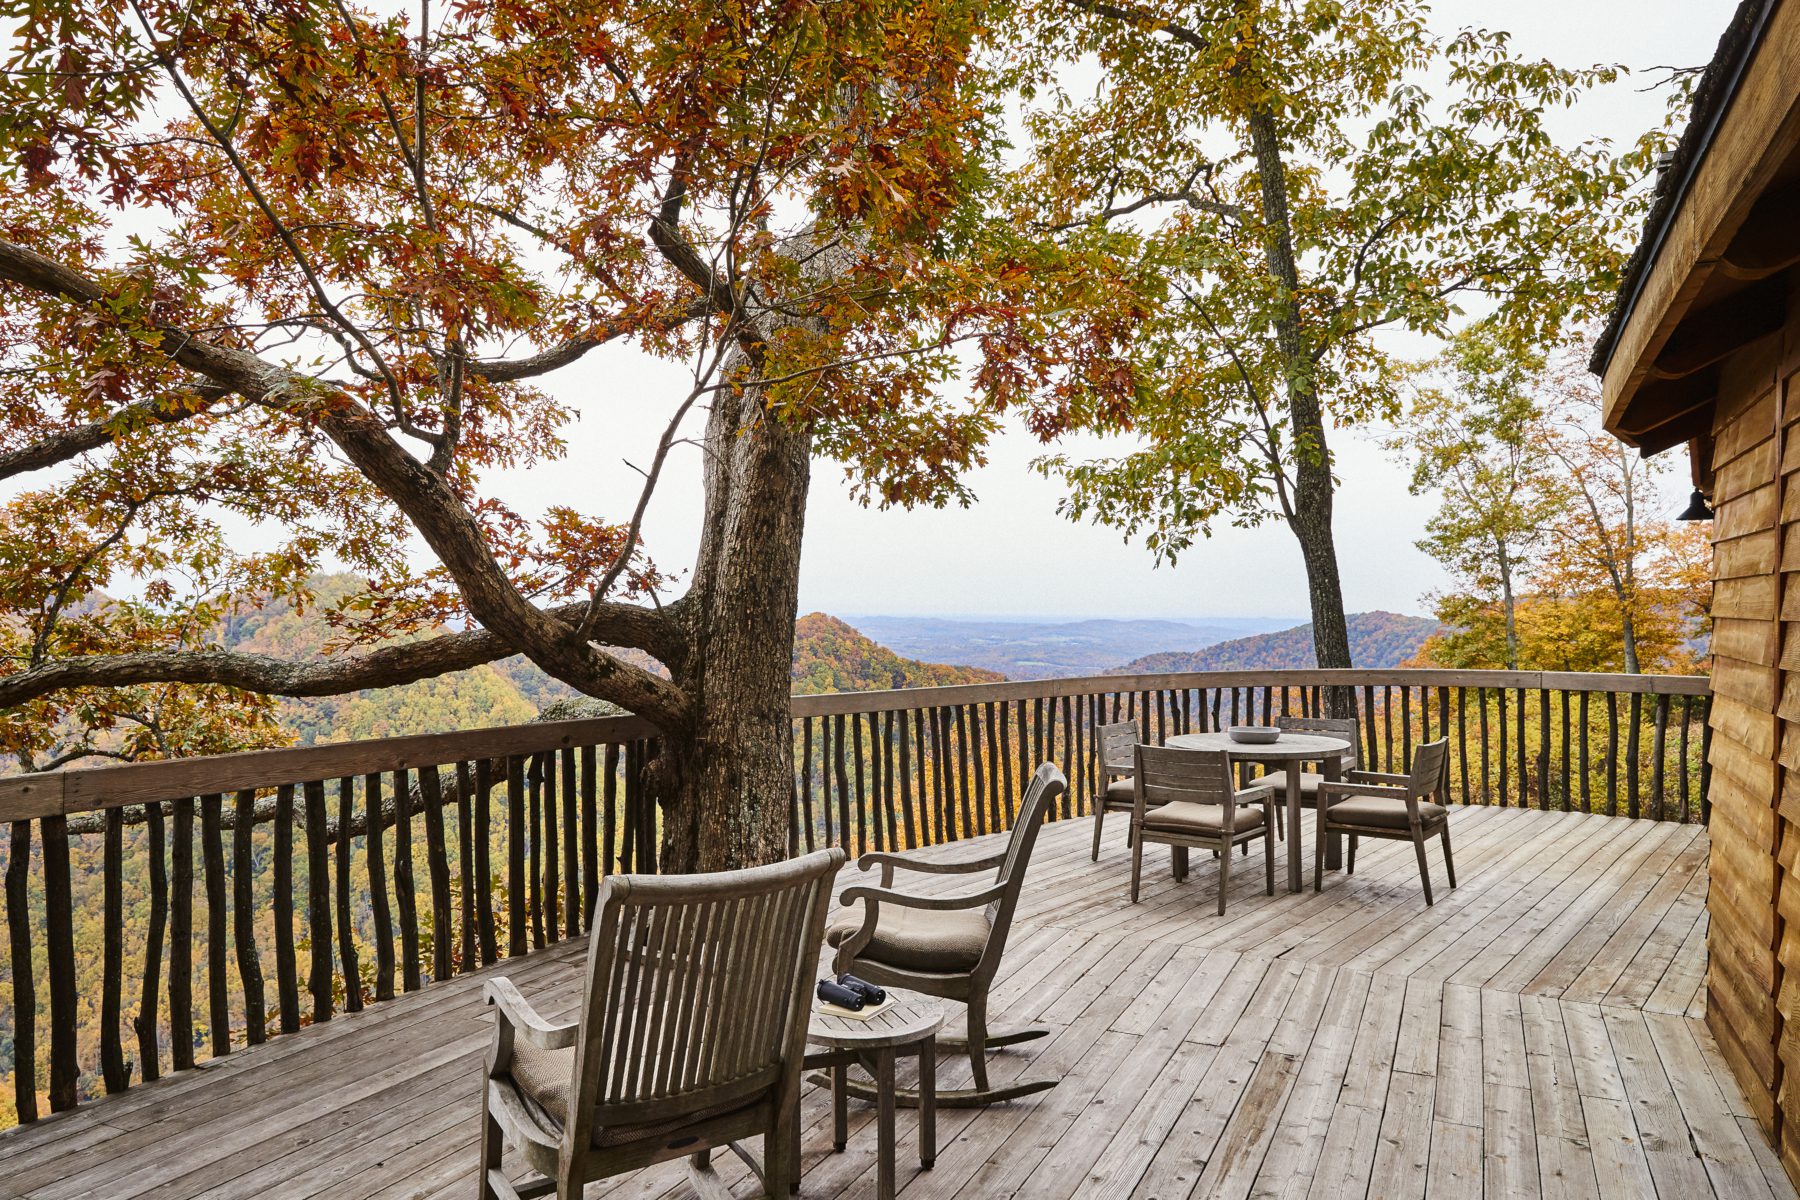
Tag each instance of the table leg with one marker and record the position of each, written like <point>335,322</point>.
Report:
<point>884,1121</point>
<point>840,1116</point>
<point>1293,824</point>
<point>1178,862</point>
<point>928,1102</point>
<point>1333,769</point>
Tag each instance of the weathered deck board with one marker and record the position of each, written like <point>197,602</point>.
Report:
<point>1528,1036</point>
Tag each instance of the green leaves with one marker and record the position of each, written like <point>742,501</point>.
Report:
<point>1417,184</point>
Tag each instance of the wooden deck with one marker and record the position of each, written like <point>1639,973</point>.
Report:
<point>1533,1034</point>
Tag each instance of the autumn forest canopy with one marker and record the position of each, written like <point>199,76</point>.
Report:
<point>312,269</point>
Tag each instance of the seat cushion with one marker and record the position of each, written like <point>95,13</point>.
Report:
<point>1381,812</point>
<point>545,1076</point>
<point>1200,820</point>
<point>917,939</point>
<point>1309,784</point>
<point>1119,793</point>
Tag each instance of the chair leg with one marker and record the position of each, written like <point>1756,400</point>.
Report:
<point>493,1145</point>
<point>1281,819</point>
<point>1424,872</point>
<point>1137,863</point>
<point>1319,836</point>
<point>778,1150</point>
<point>1449,865</point>
<point>1224,877</point>
<point>977,1037</point>
<point>1350,863</point>
<point>1099,820</point>
<point>1268,863</point>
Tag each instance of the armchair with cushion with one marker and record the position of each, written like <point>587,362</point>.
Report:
<point>1344,727</point>
<point>1113,749</point>
<point>1395,807</point>
<point>1188,798</point>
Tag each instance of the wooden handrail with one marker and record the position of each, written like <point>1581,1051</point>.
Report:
<point>92,789</point>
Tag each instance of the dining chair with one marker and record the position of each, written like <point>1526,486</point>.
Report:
<point>1344,727</point>
<point>1396,807</point>
<point>690,1035</point>
<point>1187,798</point>
<point>948,946</point>
<point>1113,745</point>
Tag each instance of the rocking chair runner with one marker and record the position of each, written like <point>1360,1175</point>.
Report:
<point>691,1034</point>
<point>948,946</point>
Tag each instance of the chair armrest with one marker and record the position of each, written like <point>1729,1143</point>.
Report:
<point>1257,793</point>
<point>523,1021</point>
<point>924,866</point>
<point>951,903</point>
<point>1376,777</point>
<point>1331,791</point>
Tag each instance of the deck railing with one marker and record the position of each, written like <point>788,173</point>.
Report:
<point>370,868</point>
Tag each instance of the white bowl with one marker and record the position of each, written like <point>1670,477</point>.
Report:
<point>1256,735</point>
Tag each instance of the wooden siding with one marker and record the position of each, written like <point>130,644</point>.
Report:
<point>1753,1006</point>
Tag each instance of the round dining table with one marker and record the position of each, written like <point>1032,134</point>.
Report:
<point>1288,751</point>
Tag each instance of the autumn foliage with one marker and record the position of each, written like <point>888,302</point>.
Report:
<point>281,286</point>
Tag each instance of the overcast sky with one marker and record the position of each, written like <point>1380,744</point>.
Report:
<point>1011,553</point>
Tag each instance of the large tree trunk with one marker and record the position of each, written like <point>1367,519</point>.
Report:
<point>727,783</point>
<point>1311,516</point>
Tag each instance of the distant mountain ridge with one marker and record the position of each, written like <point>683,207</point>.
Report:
<point>1025,649</point>
<point>1377,640</point>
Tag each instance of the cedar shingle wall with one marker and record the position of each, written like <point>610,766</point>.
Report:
<point>1753,994</point>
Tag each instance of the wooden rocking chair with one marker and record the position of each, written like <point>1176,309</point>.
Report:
<point>691,1035</point>
<point>947,946</point>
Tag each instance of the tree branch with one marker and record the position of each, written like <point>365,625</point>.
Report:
<point>408,662</point>
<point>65,444</point>
<point>665,234</point>
<point>432,506</point>
<point>571,350</point>
<point>1138,15</point>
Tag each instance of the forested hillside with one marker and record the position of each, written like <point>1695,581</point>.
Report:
<point>829,656</point>
<point>1377,639</point>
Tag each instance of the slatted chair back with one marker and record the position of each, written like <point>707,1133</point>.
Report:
<point>1344,727</point>
<point>698,992</point>
<point>1046,785</point>
<point>1196,776</point>
<point>1116,741</point>
<point>1430,766</point>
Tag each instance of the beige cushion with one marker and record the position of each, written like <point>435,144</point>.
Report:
<point>1381,811</point>
<point>545,1077</point>
<point>1119,793</point>
<point>918,939</point>
<point>1309,784</point>
<point>1203,820</point>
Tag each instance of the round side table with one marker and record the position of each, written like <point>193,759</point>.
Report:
<point>909,1026</point>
